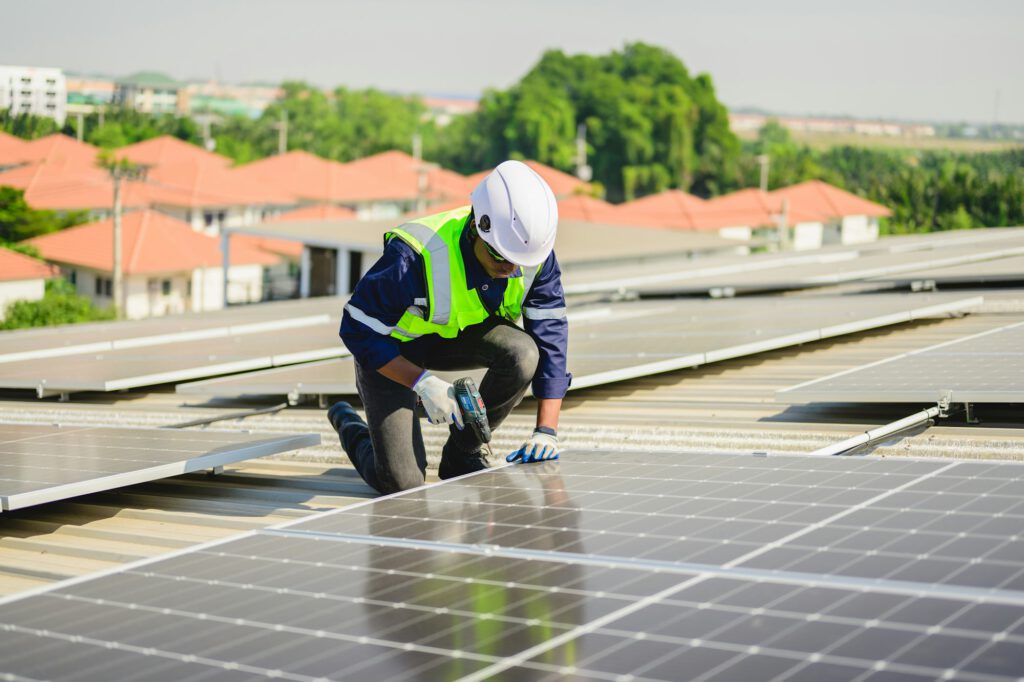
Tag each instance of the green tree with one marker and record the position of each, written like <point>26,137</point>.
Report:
<point>59,305</point>
<point>19,221</point>
<point>650,125</point>
<point>27,126</point>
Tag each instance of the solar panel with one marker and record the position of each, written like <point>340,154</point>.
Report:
<point>26,344</point>
<point>780,272</point>
<point>982,368</point>
<point>1001,271</point>
<point>653,566</point>
<point>627,340</point>
<point>177,361</point>
<point>45,463</point>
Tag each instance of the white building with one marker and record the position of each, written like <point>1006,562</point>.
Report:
<point>36,90</point>
<point>167,266</point>
<point>21,278</point>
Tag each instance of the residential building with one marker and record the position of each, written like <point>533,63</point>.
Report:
<point>443,110</point>
<point>22,278</point>
<point>151,93</point>
<point>13,151</point>
<point>220,98</point>
<point>167,266</point>
<point>588,209</point>
<point>36,90</point>
<point>672,208</point>
<point>750,213</point>
<point>847,218</point>
<point>87,94</point>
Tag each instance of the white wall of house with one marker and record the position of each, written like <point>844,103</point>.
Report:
<point>832,233</point>
<point>154,295</point>
<point>807,236</point>
<point>245,286</point>
<point>858,229</point>
<point>741,233</point>
<point>383,210</point>
<point>211,220</point>
<point>20,290</point>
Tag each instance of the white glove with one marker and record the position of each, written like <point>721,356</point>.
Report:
<point>438,398</point>
<point>542,445</point>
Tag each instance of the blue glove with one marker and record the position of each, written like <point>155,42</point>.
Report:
<point>542,446</point>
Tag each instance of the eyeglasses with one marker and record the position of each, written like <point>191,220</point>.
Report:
<point>498,258</point>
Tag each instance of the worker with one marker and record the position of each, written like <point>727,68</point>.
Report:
<point>445,296</point>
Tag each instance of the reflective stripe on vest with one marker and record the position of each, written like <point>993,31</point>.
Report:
<point>450,305</point>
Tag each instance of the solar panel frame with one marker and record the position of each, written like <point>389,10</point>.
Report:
<point>27,344</point>
<point>981,368</point>
<point>95,459</point>
<point>657,336</point>
<point>726,277</point>
<point>300,602</point>
<point>991,272</point>
<point>175,361</point>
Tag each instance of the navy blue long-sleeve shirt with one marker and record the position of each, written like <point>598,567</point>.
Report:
<point>397,280</point>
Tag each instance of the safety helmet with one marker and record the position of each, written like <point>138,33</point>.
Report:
<point>516,213</point>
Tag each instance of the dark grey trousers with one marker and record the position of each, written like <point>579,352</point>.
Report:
<point>390,456</point>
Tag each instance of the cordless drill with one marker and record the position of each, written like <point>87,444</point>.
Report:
<point>474,414</point>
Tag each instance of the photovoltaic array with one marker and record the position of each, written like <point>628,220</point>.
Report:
<point>604,566</point>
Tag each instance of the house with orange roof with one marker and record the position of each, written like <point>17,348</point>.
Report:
<point>168,267</point>
<point>386,185</point>
<point>62,151</point>
<point>752,213</point>
<point>847,218</point>
<point>13,151</point>
<point>309,178</point>
<point>588,209</point>
<point>672,208</point>
<point>200,188</point>
<point>22,278</point>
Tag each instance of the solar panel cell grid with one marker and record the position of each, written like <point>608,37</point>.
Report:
<point>696,567</point>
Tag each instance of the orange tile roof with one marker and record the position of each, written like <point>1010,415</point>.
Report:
<point>316,212</point>
<point>61,150</point>
<point>210,184</point>
<point>13,150</point>
<point>820,197</point>
<point>562,184</point>
<point>395,175</point>
<point>304,175</point>
<point>54,187</point>
<point>165,150</point>
<point>16,266</point>
<point>748,208</point>
<point>671,208</point>
<point>588,209</point>
<point>151,243</point>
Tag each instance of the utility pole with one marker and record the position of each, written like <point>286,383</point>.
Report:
<point>81,126</point>
<point>784,226</point>
<point>282,133</point>
<point>583,171</point>
<point>765,162</point>
<point>120,170</point>
<point>422,173</point>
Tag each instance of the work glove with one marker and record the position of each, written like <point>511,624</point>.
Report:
<point>438,398</point>
<point>543,445</point>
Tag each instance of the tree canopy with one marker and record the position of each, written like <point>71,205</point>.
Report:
<point>650,124</point>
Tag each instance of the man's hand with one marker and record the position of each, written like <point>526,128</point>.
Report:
<point>542,445</point>
<point>438,398</point>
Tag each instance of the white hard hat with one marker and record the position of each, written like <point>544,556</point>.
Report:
<point>516,213</point>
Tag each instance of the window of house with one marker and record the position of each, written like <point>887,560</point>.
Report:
<point>73,277</point>
<point>221,217</point>
<point>165,287</point>
<point>208,219</point>
<point>98,286</point>
<point>108,287</point>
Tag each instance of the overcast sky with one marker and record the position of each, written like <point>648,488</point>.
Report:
<point>942,60</point>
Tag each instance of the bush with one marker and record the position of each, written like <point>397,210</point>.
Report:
<point>59,305</point>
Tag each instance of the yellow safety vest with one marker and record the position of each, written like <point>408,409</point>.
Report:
<point>450,305</point>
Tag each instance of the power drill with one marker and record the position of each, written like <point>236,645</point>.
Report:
<point>474,414</point>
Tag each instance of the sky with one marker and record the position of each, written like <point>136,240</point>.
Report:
<point>941,60</point>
